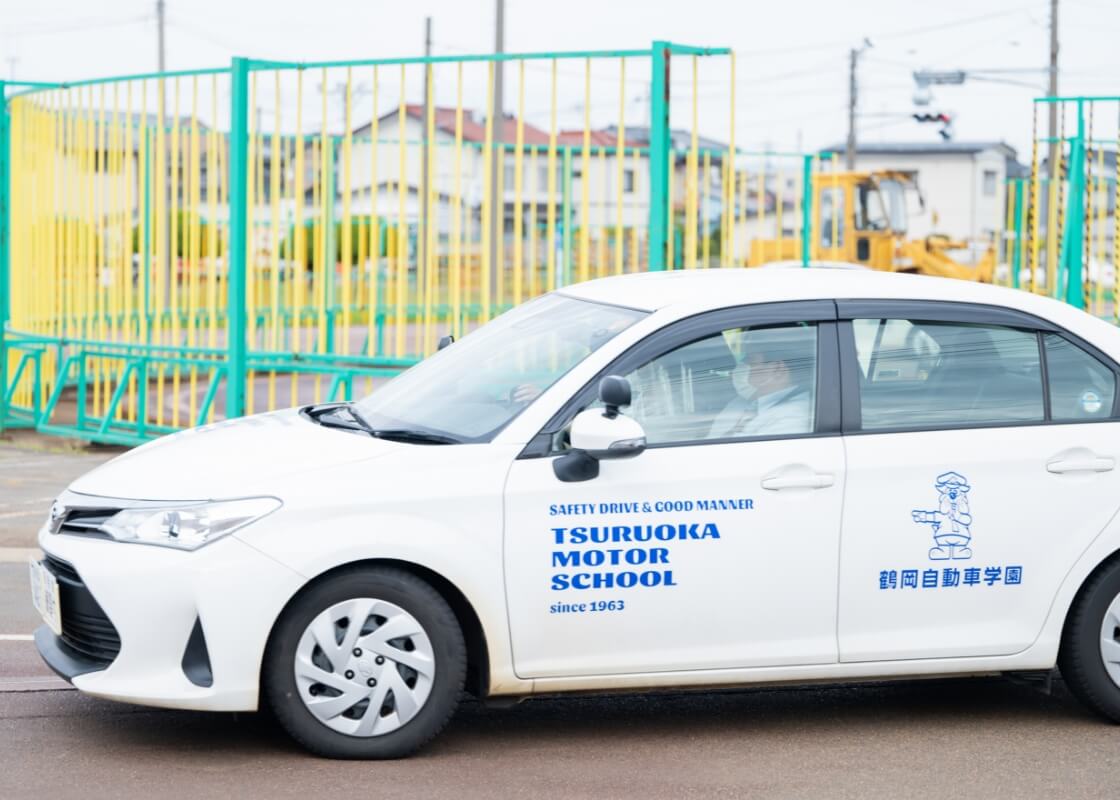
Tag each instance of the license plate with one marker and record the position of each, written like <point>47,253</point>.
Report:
<point>44,596</point>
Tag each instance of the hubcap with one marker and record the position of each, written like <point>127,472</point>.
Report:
<point>1110,640</point>
<point>364,667</point>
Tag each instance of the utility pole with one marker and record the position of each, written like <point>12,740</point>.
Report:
<point>850,150</point>
<point>496,200</point>
<point>425,178</point>
<point>1052,87</point>
<point>161,22</point>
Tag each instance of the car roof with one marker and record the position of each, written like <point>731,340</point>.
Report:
<point>694,291</point>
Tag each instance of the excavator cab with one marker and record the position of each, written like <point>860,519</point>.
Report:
<point>862,216</point>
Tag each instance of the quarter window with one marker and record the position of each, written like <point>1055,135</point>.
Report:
<point>1081,387</point>
<point>739,383</point>
<point>935,374</point>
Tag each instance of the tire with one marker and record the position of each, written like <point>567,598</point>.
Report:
<point>317,672</point>
<point>1084,647</point>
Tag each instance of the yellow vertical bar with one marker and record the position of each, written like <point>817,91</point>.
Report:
<point>1116,231</point>
<point>431,262</point>
<point>728,253</point>
<point>550,209</point>
<point>837,208</point>
<point>254,180</point>
<point>103,188</point>
<point>585,181</point>
<point>213,182</point>
<point>706,226</point>
<point>326,226</point>
<point>533,223</point>
<point>195,248</point>
<point>1036,198</point>
<point>635,256</point>
<point>620,158</point>
<point>500,232</point>
<point>518,187</point>
<point>374,222</point>
<point>399,319</point>
<point>779,207</point>
<point>275,170</point>
<point>693,166</point>
<point>487,191</point>
<point>500,245</point>
<point>743,182</point>
<point>457,213</point>
<point>602,264</point>
<point>299,235</point>
<point>126,233</point>
<point>347,218</point>
<point>1102,203</point>
<point>161,272</point>
<point>177,236</point>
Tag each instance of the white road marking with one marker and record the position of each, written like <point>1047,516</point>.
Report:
<point>34,683</point>
<point>29,501</point>
<point>34,512</point>
<point>16,637</point>
<point>17,555</point>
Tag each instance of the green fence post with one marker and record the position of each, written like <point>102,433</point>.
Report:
<point>236,343</point>
<point>5,188</point>
<point>806,207</point>
<point>1073,236</point>
<point>659,155</point>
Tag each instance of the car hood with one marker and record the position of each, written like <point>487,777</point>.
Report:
<point>233,458</point>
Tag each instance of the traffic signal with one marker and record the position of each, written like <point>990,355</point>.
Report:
<point>941,118</point>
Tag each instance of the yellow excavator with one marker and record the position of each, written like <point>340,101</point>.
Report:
<point>861,218</point>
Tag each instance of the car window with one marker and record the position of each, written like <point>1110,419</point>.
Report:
<point>738,383</point>
<point>1081,387</point>
<point>936,374</point>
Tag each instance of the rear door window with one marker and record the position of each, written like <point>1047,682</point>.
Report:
<point>917,374</point>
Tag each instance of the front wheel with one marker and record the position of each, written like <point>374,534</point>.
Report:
<point>1090,653</point>
<point>367,663</point>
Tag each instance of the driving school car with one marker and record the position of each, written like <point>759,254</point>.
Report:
<point>711,478</point>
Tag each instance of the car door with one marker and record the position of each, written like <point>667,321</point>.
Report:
<point>981,450</point>
<point>717,547</point>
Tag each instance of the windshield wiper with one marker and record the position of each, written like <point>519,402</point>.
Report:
<point>418,437</point>
<point>337,415</point>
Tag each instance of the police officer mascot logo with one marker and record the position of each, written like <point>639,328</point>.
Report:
<point>952,521</point>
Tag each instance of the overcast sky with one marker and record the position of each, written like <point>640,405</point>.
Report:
<point>791,54</point>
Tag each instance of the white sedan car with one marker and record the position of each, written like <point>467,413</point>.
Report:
<point>687,479</point>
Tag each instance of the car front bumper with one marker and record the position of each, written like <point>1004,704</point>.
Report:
<point>192,626</point>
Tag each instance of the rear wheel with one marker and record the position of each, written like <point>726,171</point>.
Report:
<point>1090,652</point>
<point>368,663</point>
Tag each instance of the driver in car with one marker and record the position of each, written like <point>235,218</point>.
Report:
<point>773,387</point>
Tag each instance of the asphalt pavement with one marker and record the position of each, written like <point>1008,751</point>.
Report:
<point>983,737</point>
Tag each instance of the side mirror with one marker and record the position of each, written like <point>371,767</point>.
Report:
<point>444,341</point>
<point>600,435</point>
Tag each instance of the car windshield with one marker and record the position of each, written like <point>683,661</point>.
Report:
<point>472,389</point>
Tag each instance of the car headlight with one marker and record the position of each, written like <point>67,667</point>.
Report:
<point>187,527</point>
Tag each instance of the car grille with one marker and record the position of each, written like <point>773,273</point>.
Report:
<point>85,626</point>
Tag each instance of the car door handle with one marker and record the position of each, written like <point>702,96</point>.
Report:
<point>797,477</point>
<point>1081,462</point>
